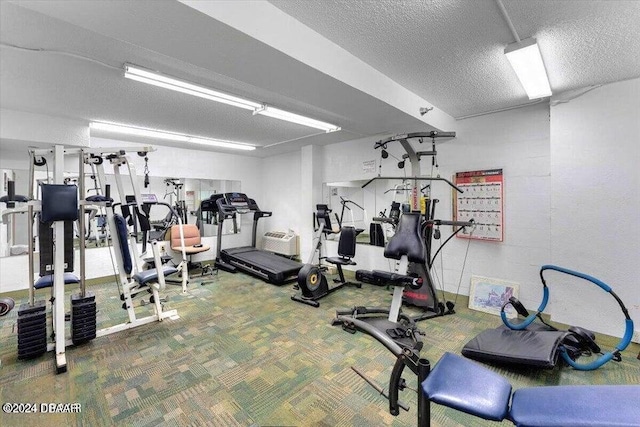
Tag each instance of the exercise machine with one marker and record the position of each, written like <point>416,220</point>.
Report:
<point>426,296</point>
<point>61,204</point>
<point>268,266</point>
<point>180,206</point>
<point>13,203</point>
<point>541,344</point>
<point>466,386</point>
<point>397,331</point>
<point>207,214</point>
<point>378,236</point>
<point>6,305</point>
<point>345,206</point>
<point>184,239</point>
<point>311,280</point>
<point>463,385</point>
<point>420,200</point>
<point>132,278</point>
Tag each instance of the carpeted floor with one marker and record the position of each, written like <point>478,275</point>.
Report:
<point>243,354</point>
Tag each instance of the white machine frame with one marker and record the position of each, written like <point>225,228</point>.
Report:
<point>117,158</point>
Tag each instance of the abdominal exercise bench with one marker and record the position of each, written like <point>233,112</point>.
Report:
<point>469,387</point>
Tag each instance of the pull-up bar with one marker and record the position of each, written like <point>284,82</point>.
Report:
<point>404,136</point>
<point>416,178</point>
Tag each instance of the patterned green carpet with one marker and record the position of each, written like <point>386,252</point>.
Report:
<point>243,354</point>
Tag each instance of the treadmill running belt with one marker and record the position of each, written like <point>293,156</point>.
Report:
<point>277,269</point>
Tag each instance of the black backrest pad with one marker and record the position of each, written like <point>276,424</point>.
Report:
<point>323,216</point>
<point>347,243</point>
<point>121,229</point>
<point>59,202</point>
<point>407,240</point>
<point>143,220</point>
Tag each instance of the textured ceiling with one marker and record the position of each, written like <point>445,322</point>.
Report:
<point>174,38</point>
<point>450,51</point>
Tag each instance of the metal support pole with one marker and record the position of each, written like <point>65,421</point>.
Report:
<point>81,222</point>
<point>31,250</point>
<point>415,171</point>
<point>424,410</point>
<point>30,231</point>
<point>58,272</point>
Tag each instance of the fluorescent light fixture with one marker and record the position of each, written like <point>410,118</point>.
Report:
<point>526,60</point>
<point>139,74</point>
<point>169,136</point>
<point>277,113</point>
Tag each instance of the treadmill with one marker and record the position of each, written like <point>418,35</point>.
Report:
<point>268,266</point>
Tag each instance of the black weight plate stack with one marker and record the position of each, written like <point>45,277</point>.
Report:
<point>32,330</point>
<point>83,318</point>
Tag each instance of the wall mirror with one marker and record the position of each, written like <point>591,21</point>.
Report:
<point>184,195</point>
<point>13,227</point>
<point>366,208</point>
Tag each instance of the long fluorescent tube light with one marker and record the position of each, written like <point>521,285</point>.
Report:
<point>170,136</point>
<point>526,60</point>
<point>150,77</point>
<point>135,73</point>
<point>277,113</point>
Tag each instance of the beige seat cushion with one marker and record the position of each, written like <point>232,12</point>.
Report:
<point>191,239</point>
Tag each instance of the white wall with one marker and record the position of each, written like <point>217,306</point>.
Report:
<point>518,142</point>
<point>165,161</point>
<point>595,204</point>
<point>282,189</point>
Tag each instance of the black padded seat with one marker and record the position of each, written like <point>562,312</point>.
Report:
<point>151,275</point>
<point>47,281</point>
<point>346,251</point>
<point>16,198</point>
<point>340,260</point>
<point>99,198</point>
<point>346,247</point>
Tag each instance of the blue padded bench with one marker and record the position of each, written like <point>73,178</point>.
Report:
<point>151,275</point>
<point>47,281</point>
<point>469,387</point>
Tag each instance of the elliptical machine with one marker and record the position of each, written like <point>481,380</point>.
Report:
<point>312,282</point>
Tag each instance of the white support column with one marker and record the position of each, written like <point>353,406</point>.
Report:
<point>398,291</point>
<point>311,194</point>
<point>58,272</point>
<point>396,303</point>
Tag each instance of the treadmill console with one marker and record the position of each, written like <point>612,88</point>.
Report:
<point>147,198</point>
<point>239,202</point>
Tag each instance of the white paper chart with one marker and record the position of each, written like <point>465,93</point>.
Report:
<point>481,201</point>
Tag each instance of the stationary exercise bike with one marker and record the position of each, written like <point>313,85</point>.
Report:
<point>312,282</point>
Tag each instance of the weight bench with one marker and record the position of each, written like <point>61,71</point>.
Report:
<point>464,385</point>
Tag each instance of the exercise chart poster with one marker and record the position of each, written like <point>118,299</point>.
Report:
<point>482,201</point>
